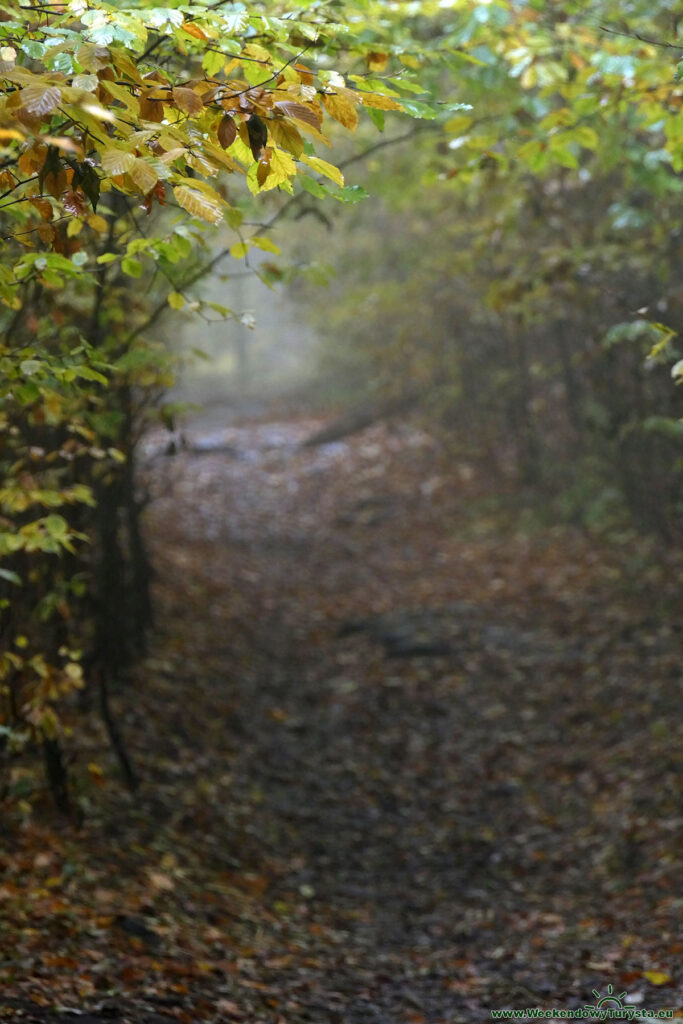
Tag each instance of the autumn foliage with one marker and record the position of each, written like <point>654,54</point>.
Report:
<point>125,133</point>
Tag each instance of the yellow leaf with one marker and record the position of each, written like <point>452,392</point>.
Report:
<point>117,161</point>
<point>40,99</point>
<point>409,61</point>
<point>143,175</point>
<point>341,109</point>
<point>282,167</point>
<point>657,977</point>
<point>125,65</point>
<point>175,300</point>
<point>172,154</point>
<point>379,102</point>
<point>73,228</point>
<point>286,136</point>
<point>323,167</point>
<point>457,125</point>
<point>62,142</point>
<point>123,95</point>
<point>204,187</point>
<point>254,52</point>
<point>74,672</point>
<point>198,205</point>
<point>261,242</point>
<point>221,157</point>
<point>97,223</point>
<point>238,250</point>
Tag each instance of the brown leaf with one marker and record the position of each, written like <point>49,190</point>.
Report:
<point>298,112</point>
<point>263,169</point>
<point>151,109</point>
<point>74,202</point>
<point>376,61</point>
<point>227,1006</point>
<point>161,882</point>
<point>187,100</point>
<point>46,233</point>
<point>43,207</point>
<point>227,131</point>
<point>305,74</point>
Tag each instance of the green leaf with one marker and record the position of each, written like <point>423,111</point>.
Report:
<point>351,194</point>
<point>88,373</point>
<point>11,577</point>
<point>377,117</point>
<point>313,186</point>
<point>213,62</point>
<point>261,242</point>
<point>131,267</point>
<point>416,108</point>
<point>103,35</point>
<point>29,367</point>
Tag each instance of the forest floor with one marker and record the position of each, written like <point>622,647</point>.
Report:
<point>404,759</point>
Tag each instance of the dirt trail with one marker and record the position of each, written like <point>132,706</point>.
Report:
<point>450,755</point>
<point>404,760</point>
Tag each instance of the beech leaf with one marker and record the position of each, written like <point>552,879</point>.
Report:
<point>227,132</point>
<point>40,99</point>
<point>187,100</point>
<point>298,112</point>
<point>198,205</point>
<point>117,161</point>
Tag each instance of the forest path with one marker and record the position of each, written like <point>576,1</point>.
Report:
<point>446,764</point>
<point>406,758</point>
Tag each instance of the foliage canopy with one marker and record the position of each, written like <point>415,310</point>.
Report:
<point>127,131</point>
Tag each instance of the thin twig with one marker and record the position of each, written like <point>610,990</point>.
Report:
<point>642,39</point>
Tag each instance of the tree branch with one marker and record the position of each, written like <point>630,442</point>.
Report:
<point>642,39</point>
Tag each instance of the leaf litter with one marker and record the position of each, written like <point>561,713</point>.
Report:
<point>405,758</point>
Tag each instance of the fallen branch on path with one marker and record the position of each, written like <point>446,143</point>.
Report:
<point>363,416</point>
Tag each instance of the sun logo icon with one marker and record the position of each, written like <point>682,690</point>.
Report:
<point>610,1000</point>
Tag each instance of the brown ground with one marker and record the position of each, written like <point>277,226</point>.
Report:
<point>403,761</point>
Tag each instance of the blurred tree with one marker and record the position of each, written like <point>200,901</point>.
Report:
<point>522,269</point>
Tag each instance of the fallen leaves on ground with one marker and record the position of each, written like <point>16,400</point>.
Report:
<point>405,758</point>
